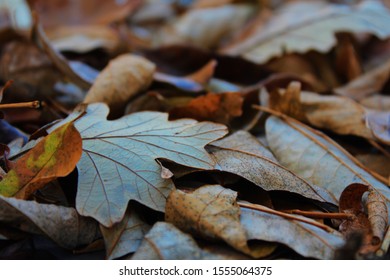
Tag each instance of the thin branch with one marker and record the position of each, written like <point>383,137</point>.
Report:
<point>284,215</point>
<point>319,215</point>
<point>32,105</point>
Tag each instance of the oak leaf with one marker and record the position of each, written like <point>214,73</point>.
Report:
<point>55,156</point>
<point>118,163</point>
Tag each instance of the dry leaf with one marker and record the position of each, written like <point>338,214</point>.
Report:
<point>59,12</point>
<point>372,223</point>
<point>221,107</point>
<point>367,84</point>
<point>244,155</point>
<point>379,124</point>
<point>378,163</point>
<point>165,242</point>
<point>377,102</point>
<point>335,113</point>
<point>62,224</point>
<point>210,212</point>
<point>306,239</point>
<point>126,236</point>
<point>194,26</point>
<point>316,158</point>
<point>55,156</point>
<point>123,78</point>
<point>316,22</point>
<point>119,159</point>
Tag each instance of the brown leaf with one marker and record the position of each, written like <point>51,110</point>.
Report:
<point>55,156</point>
<point>211,107</point>
<point>367,84</point>
<point>244,155</point>
<point>210,212</point>
<point>371,224</point>
<point>335,113</point>
<point>377,163</point>
<point>123,78</point>
<point>60,12</point>
<point>377,102</point>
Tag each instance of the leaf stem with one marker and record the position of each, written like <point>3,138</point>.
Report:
<point>32,104</point>
<point>319,215</point>
<point>281,214</point>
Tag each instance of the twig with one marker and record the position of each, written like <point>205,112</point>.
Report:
<point>281,214</point>
<point>32,105</point>
<point>319,215</point>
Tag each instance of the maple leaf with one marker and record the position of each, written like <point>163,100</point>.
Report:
<point>119,159</point>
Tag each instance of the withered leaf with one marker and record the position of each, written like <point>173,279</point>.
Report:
<point>211,212</point>
<point>62,224</point>
<point>339,114</point>
<point>55,156</point>
<point>371,223</point>
<point>194,26</point>
<point>122,79</point>
<point>221,107</point>
<point>305,239</point>
<point>242,154</point>
<point>379,124</point>
<point>124,237</point>
<point>118,161</point>
<point>367,84</point>
<point>317,158</point>
<point>316,22</point>
<point>165,242</point>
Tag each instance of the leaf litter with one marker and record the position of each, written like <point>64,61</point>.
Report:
<point>128,130</point>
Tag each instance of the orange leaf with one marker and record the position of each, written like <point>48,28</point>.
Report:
<point>55,156</point>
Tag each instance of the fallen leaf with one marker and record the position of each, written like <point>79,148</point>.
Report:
<point>377,163</point>
<point>165,242</point>
<point>376,102</point>
<point>221,107</point>
<point>84,38</point>
<point>366,84</point>
<point>370,223</point>
<point>124,237</point>
<point>242,154</point>
<point>211,212</point>
<point>55,156</point>
<point>60,12</point>
<point>305,239</point>
<point>379,124</point>
<point>316,158</point>
<point>61,224</point>
<point>316,22</point>
<point>335,113</point>
<point>118,161</point>
<point>123,78</point>
<point>194,26</point>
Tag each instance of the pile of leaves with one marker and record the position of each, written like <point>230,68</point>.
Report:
<point>195,130</point>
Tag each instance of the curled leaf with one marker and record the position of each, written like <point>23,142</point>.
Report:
<point>123,78</point>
